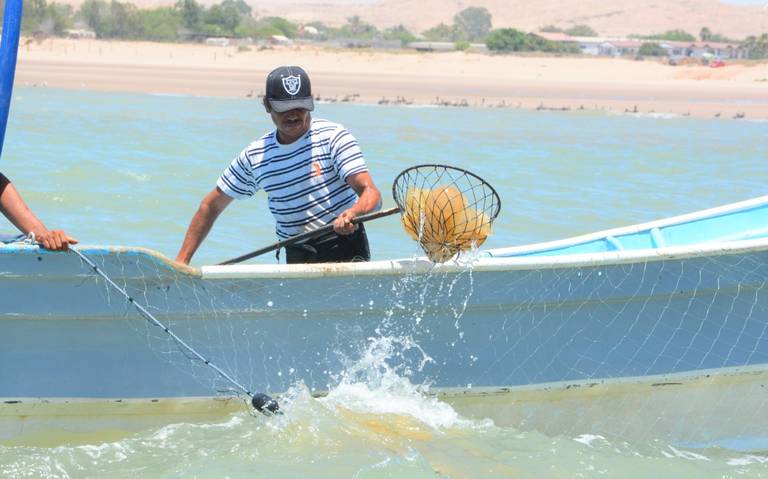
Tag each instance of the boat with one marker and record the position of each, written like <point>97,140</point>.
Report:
<point>656,330</point>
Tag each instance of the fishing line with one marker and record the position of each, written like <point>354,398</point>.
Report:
<point>260,401</point>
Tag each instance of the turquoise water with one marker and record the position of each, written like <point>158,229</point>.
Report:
<point>131,169</point>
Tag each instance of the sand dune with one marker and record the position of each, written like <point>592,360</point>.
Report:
<point>609,18</point>
<point>617,17</point>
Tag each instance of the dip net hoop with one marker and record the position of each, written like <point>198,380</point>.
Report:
<point>446,210</point>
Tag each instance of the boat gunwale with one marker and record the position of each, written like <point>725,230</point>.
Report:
<point>708,213</point>
<point>483,264</point>
<point>480,261</point>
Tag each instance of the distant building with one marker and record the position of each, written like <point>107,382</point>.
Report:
<point>631,46</point>
<point>617,48</point>
<point>432,46</point>
<point>597,45</point>
<point>280,40</point>
<point>308,31</point>
<point>217,41</point>
<point>726,51</point>
<point>79,33</point>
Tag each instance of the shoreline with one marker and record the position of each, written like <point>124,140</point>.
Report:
<point>403,77</point>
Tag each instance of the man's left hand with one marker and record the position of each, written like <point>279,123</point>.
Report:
<point>343,223</point>
<point>56,240</point>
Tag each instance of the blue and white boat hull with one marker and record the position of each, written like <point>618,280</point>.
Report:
<point>565,321</point>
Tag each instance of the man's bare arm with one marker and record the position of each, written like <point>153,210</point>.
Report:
<point>369,199</point>
<point>210,208</point>
<point>14,208</point>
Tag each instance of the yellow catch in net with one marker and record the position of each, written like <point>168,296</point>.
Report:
<point>443,223</point>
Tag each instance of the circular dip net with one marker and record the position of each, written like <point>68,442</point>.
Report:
<point>446,210</point>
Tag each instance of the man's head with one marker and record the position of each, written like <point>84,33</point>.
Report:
<point>289,100</point>
<point>289,88</point>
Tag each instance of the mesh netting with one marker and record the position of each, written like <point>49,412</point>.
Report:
<point>446,210</point>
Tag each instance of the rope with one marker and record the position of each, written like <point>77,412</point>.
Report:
<point>185,347</point>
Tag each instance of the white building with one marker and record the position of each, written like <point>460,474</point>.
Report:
<point>725,51</point>
<point>217,41</point>
<point>631,46</point>
<point>596,45</point>
<point>280,40</point>
<point>621,47</point>
<point>79,33</point>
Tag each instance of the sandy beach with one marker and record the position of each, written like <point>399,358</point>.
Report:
<point>457,78</point>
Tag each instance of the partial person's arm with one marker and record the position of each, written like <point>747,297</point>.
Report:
<point>18,213</point>
<point>210,208</point>
<point>369,199</point>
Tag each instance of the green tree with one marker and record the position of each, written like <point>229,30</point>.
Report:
<point>34,12</point>
<point>581,31</point>
<point>757,46</point>
<point>126,20</point>
<point>473,22</point>
<point>58,18</point>
<point>462,45</point>
<point>220,19</point>
<point>706,35</point>
<point>161,24</point>
<point>283,26</point>
<point>399,33</point>
<point>112,20</point>
<point>511,40</point>
<point>191,13</point>
<point>672,36</point>
<point>40,16</point>
<point>357,28</point>
<point>651,50</point>
<point>98,16</point>
<point>443,33</point>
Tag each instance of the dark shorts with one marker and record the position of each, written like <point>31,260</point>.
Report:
<point>337,249</point>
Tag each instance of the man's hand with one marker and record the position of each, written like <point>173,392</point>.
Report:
<point>368,200</point>
<point>343,223</point>
<point>56,240</point>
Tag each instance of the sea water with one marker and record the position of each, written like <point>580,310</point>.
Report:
<point>128,169</point>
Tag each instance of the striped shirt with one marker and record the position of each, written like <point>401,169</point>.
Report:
<point>305,181</point>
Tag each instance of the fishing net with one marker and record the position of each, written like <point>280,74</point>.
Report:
<point>446,210</point>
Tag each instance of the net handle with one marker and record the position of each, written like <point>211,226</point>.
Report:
<point>308,235</point>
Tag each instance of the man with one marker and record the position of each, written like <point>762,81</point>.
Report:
<point>18,213</point>
<point>312,171</point>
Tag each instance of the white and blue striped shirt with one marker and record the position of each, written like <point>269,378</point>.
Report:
<point>305,181</point>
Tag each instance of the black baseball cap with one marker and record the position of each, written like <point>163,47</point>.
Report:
<point>288,87</point>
